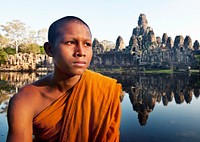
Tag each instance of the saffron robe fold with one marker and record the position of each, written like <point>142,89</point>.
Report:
<point>91,112</point>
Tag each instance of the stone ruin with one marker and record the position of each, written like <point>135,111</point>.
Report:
<point>146,51</point>
<point>27,62</point>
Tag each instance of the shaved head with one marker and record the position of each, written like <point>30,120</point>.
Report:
<point>54,33</point>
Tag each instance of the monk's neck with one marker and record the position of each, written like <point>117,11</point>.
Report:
<point>64,83</point>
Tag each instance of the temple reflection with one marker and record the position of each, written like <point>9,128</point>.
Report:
<point>144,90</point>
<point>143,104</point>
<point>10,82</point>
<point>18,79</point>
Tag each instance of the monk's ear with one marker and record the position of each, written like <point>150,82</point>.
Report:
<point>48,47</point>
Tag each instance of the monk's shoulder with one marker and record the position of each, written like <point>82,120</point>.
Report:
<point>105,83</point>
<point>24,96</point>
<point>20,104</point>
<point>28,100</point>
<point>106,89</point>
<point>29,95</point>
<point>100,78</point>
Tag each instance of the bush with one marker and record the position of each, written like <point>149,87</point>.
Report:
<point>198,58</point>
<point>42,50</point>
<point>31,48</point>
<point>3,57</point>
<point>9,50</point>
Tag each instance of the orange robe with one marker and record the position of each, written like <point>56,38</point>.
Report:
<point>91,112</point>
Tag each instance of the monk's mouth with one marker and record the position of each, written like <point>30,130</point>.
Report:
<point>79,64</point>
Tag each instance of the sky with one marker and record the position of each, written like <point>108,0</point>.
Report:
<point>109,19</point>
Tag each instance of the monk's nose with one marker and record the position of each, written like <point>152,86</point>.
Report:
<point>79,51</point>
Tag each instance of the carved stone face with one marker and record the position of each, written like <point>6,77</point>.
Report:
<point>142,21</point>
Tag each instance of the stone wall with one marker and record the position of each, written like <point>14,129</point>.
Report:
<point>27,62</point>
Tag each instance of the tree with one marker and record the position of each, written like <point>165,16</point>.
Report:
<point>31,37</point>
<point>31,48</point>
<point>3,57</point>
<point>41,36</point>
<point>16,32</point>
<point>3,42</point>
<point>9,50</point>
<point>36,37</point>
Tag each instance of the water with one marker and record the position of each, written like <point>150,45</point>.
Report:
<point>172,123</point>
<point>155,108</point>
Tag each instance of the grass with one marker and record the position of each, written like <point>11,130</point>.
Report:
<point>119,70</point>
<point>195,71</point>
<point>168,71</point>
<point>109,70</point>
<point>158,71</point>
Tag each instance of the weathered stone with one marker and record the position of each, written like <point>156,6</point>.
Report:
<point>179,41</point>
<point>26,62</point>
<point>119,44</point>
<point>196,45</point>
<point>142,21</point>
<point>159,41</point>
<point>151,37</point>
<point>164,38</point>
<point>188,42</point>
<point>133,41</point>
<point>169,43</point>
<point>97,47</point>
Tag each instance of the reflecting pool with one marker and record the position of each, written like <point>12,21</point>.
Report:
<point>155,108</point>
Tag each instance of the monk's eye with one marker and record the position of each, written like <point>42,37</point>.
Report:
<point>88,44</point>
<point>70,42</point>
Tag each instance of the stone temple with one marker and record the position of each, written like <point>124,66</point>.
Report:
<point>146,51</point>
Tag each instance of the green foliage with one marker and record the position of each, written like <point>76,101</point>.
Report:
<point>17,34</point>
<point>3,57</point>
<point>4,41</point>
<point>31,48</point>
<point>9,50</point>
<point>42,51</point>
<point>4,85</point>
<point>197,57</point>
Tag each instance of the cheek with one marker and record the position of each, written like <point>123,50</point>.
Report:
<point>66,53</point>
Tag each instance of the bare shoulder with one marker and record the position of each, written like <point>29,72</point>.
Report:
<point>23,107</point>
<point>26,101</point>
<point>20,115</point>
<point>21,102</point>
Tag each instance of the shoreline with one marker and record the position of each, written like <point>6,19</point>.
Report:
<point>111,70</point>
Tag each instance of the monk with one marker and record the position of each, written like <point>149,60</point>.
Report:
<point>73,103</point>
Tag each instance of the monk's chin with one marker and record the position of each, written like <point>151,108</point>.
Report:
<point>78,71</point>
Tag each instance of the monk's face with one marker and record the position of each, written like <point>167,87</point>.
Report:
<point>73,48</point>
